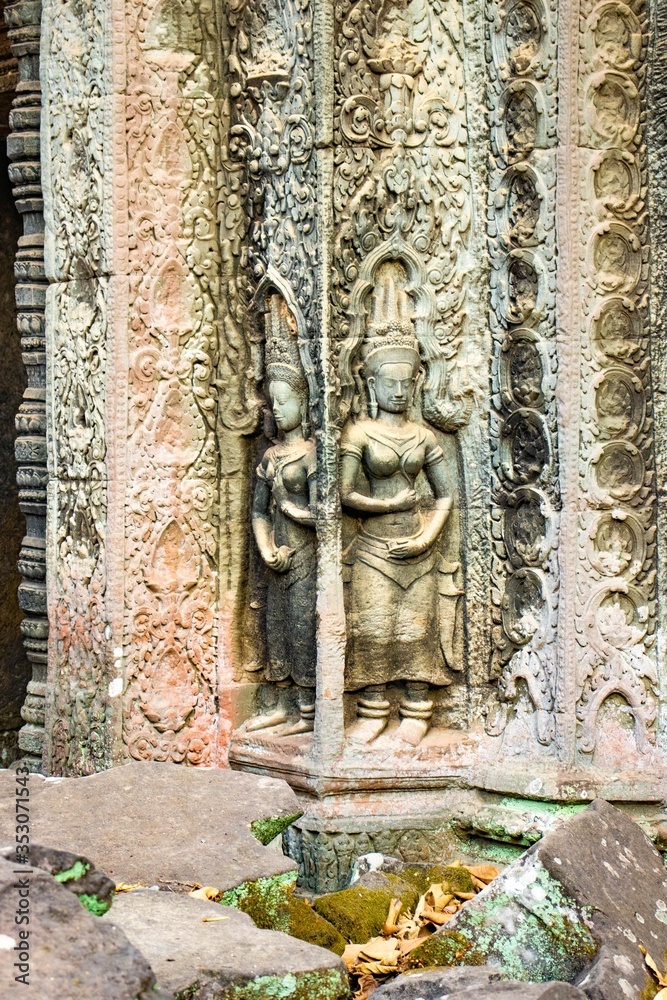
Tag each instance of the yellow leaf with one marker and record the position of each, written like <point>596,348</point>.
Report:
<point>660,976</point>
<point>390,926</point>
<point>210,920</point>
<point>127,887</point>
<point>438,896</point>
<point>485,873</point>
<point>381,949</point>
<point>206,892</point>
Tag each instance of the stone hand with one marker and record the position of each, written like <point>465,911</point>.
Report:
<point>404,548</point>
<point>280,559</point>
<point>405,500</point>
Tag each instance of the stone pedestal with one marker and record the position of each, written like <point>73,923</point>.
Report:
<point>354,420</point>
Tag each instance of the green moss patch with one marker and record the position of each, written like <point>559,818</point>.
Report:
<point>307,925</point>
<point>266,830</point>
<point>77,871</point>
<point>421,878</point>
<point>266,900</point>
<point>98,907</point>
<point>358,913</point>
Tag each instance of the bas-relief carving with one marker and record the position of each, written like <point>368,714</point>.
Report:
<point>521,62</point>
<point>174,154</point>
<point>616,573</point>
<point>402,217</point>
<point>397,631</point>
<point>283,521</point>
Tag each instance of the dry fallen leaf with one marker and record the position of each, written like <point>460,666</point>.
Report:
<point>367,985</point>
<point>438,896</point>
<point>206,892</point>
<point>485,873</point>
<point>390,926</point>
<point>128,887</point>
<point>660,976</point>
<point>210,920</point>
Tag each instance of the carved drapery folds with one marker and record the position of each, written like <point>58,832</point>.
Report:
<point>23,19</point>
<point>521,59</point>
<point>616,577</point>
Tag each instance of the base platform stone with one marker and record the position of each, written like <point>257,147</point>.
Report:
<point>205,951</point>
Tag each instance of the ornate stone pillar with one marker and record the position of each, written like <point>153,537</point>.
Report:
<point>24,20</point>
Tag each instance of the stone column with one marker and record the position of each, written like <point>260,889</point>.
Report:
<point>24,19</point>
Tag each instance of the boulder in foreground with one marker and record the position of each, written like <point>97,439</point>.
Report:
<point>70,953</point>
<point>579,906</point>
<point>161,823</point>
<point>205,951</point>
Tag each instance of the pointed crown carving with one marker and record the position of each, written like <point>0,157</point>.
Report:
<point>390,334</point>
<point>283,363</point>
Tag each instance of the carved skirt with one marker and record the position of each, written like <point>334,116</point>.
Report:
<point>392,618</point>
<point>290,620</point>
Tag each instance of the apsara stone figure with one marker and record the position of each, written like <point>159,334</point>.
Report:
<point>283,524</point>
<point>393,593</point>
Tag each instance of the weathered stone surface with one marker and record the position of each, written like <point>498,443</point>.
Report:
<point>593,891</point>
<point>431,984</point>
<point>476,983</point>
<point>160,823</point>
<point>94,889</point>
<point>72,953</point>
<point>210,952</point>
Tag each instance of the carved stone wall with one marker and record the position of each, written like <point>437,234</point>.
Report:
<point>246,206</point>
<point>23,19</point>
<point>616,585</point>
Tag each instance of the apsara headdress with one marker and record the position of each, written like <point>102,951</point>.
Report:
<point>390,334</point>
<point>283,363</point>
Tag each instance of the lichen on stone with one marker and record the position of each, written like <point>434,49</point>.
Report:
<point>266,900</point>
<point>322,984</point>
<point>528,928</point>
<point>98,907</point>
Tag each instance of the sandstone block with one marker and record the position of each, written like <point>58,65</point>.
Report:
<point>161,823</point>
<point>71,953</point>
<point>481,983</point>
<point>210,952</point>
<point>579,907</point>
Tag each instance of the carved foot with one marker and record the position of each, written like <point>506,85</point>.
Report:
<point>411,731</point>
<point>275,717</point>
<point>365,730</point>
<point>300,726</point>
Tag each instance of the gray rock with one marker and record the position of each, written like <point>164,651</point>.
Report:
<point>471,983</point>
<point>433,984</point>
<point>520,991</point>
<point>76,873</point>
<point>576,907</point>
<point>208,957</point>
<point>160,823</point>
<point>71,953</point>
